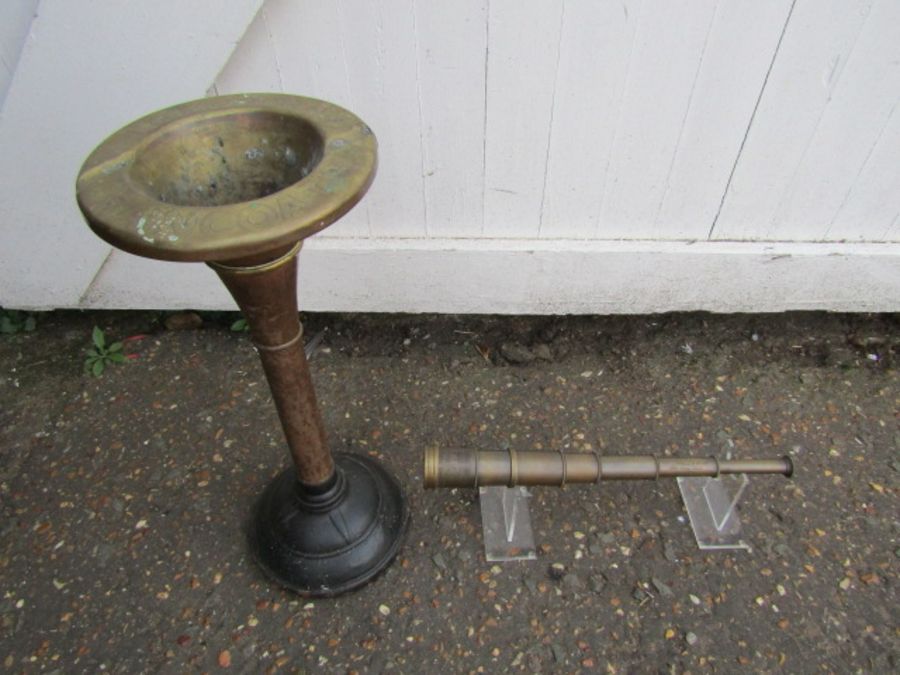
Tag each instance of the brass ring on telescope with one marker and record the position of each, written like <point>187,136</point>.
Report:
<point>599,475</point>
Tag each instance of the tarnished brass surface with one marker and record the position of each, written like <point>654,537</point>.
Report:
<point>226,177</point>
<point>238,182</point>
<point>265,293</point>
<point>459,467</point>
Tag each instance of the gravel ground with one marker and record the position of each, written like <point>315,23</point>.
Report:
<point>125,496</point>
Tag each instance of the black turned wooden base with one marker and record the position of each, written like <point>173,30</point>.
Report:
<point>333,540</point>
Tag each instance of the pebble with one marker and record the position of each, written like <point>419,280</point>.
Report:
<point>559,654</point>
<point>691,639</point>
<point>597,583</point>
<point>607,538</point>
<point>866,341</point>
<point>669,552</point>
<point>661,587</point>
<point>103,552</point>
<point>572,581</point>
<point>378,663</point>
<point>516,353</point>
<point>556,571</point>
<point>184,321</point>
<point>542,352</point>
<point>224,658</point>
<point>384,610</point>
<point>439,561</point>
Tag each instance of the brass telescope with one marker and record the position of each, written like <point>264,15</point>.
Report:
<point>459,467</point>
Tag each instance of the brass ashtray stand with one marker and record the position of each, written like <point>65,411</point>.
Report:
<point>238,182</point>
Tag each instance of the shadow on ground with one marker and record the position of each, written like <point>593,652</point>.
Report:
<point>125,496</point>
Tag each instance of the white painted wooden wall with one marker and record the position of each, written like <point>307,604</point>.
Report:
<point>15,22</point>
<point>559,156</point>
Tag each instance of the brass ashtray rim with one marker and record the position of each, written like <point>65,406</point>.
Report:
<point>121,210</point>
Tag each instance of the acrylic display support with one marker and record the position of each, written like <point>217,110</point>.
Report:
<point>506,523</point>
<point>711,503</point>
<point>712,506</point>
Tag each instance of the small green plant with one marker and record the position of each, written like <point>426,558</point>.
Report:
<point>99,356</point>
<point>240,326</point>
<point>14,321</point>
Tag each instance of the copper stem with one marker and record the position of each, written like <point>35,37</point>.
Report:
<point>265,290</point>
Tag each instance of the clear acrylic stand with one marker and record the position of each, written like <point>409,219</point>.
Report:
<point>712,508</point>
<point>506,523</point>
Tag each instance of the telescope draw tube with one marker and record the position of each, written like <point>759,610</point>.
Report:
<point>460,467</point>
